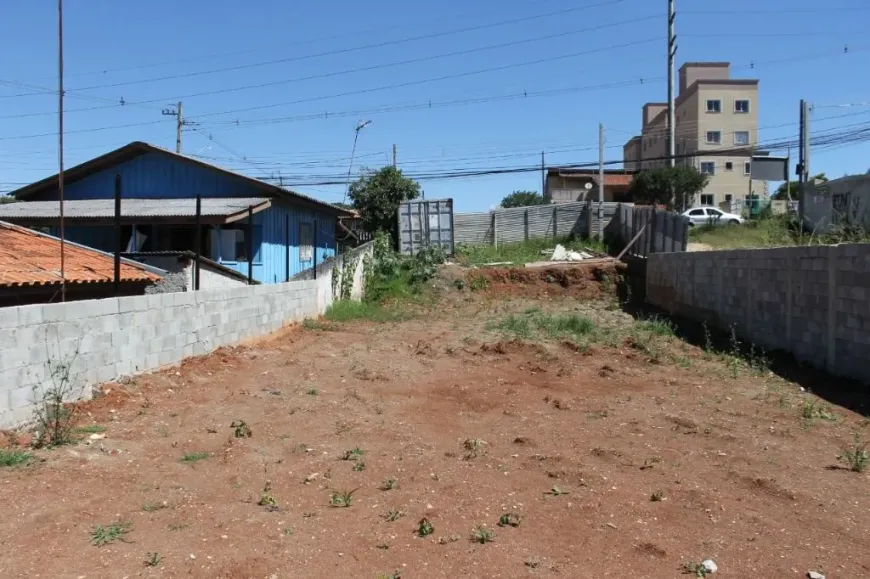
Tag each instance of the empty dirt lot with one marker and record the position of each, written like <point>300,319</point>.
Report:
<point>622,451</point>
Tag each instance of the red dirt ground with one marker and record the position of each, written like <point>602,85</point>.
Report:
<point>744,480</point>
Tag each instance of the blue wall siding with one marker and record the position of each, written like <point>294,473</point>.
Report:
<point>271,263</point>
<point>156,176</point>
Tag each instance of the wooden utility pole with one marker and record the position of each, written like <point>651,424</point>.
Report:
<point>600,180</point>
<point>543,177</point>
<point>60,145</point>
<point>179,123</point>
<point>394,156</point>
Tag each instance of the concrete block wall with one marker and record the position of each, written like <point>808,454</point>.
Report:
<point>101,340</point>
<point>811,301</point>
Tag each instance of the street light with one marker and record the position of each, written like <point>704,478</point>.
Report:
<point>359,127</point>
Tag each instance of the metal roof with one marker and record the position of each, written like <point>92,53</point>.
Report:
<point>31,258</point>
<point>229,208</point>
<point>137,148</point>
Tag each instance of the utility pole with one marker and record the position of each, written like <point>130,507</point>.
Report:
<point>60,145</point>
<point>394,155</point>
<point>672,51</point>
<point>543,177</point>
<point>803,165</point>
<point>600,179</point>
<point>179,123</point>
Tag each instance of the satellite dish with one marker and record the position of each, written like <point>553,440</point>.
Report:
<point>588,186</point>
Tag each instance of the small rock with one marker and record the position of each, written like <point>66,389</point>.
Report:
<point>815,575</point>
<point>709,565</point>
<point>97,436</point>
<point>192,556</point>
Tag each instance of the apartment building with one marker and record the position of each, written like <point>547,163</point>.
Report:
<point>713,112</point>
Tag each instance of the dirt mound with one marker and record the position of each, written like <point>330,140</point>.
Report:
<point>575,280</point>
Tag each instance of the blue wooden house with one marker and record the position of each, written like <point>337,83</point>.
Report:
<point>243,221</point>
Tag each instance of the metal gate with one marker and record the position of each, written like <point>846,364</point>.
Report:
<point>424,223</point>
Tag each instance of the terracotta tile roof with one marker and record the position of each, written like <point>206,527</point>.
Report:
<point>618,180</point>
<point>28,257</point>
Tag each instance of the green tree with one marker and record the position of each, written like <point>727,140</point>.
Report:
<point>378,194</point>
<point>523,199</point>
<point>795,187</point>
<point>673,187</point>
<point>7,199</point>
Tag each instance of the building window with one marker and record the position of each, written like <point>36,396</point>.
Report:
<point>708,168</point>
<point>233,246</point>
<point>714,106</point>
<point>306,242</point>
<point>741,137</point>
<point>729,166</point>
<point>707,199</point>
<point>714,137</point>
<point>747,168</point>
<point>741,106</point>
<point>728,197</point>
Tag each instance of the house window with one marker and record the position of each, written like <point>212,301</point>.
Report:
<point>708,168</point>
<point>741,106</point>
<point>747,168</point>
<point>229,244</point>
<point>707,199</point>
<point>728,197</point>
<point>729,166</point>
<point>741,137</point>
<point>714,106</point>
<point>306,242</point>
<point>714,137</point>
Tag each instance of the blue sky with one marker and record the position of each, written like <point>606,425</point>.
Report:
<point>578,62</point>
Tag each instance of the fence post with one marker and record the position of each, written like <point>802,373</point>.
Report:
<point>495,229</point>
<point>526,224</point>
<point>555,221</point>
<point>652,232</point>
<point>588,218</point>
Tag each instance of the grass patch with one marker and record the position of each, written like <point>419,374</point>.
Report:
<point>312,324</point>
<point>538,324</point>
<point>89,429</point>
<point>192,457</point>
<point>523,252</point>
<point>110,533</point>
<point>348,311</point>
<point>856,457</point>
<point>482,535</point>
<point>341,498</point>
<point>13,457</point>
<point>776,231</point>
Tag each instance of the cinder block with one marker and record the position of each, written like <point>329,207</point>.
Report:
<point>30,315</point>
<point>21,397</point>
<point>9,317</point>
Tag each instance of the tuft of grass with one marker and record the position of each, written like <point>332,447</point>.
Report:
<point>312,392</point>
<point>556,492</point>
<point>657,496</point>
<point>288,531</point>
<point>153,559</point>
<point>810,410</point>
<point>359,466</point>
<point>509,520</point>
<point>696,569</point>
<point>393,515</point>
<point>13,457</point>
<point>355,453</point>
<point>536,324</point>
<point>856,457</point>
<point>389,484</point>
<point>178,527</point>
<point>478,283</point>
<point>473,447</point>
<point>425,527</point>
<point>89,429</point>
<point>266,498</point>
<point>341,498</point>
<point>101,535</point>
<point>312,324</point>
<point>192,457</point>
<point>482,534</point>
<point>241,429</point>
<point>151,507</point>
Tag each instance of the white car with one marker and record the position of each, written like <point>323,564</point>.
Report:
<point>711,216</point>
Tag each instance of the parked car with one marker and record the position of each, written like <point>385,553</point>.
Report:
<point>711,216</point>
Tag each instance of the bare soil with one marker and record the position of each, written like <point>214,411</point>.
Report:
<point>471,424</point>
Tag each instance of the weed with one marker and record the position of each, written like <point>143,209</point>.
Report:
<point>459,284</point>
<point>266,498</point>
<point>178,527</point>
<point>359,466</point>
<point>473,447</point>
<point>192,457</point>
<point>312,392</point>
<point>509,520</point>
<point>734,353</point>
<point>532,563</point>
<point>151,507</point>
<point>450,539</point>
<point>482,535</point>
<point>54,417</point>
<point>519,326</point>
<point>708,341</point>
<point>114,532</point>
<point>152,559</point>
<point>856,457</point>
<point>696,569</point>
<point>353,454</point>
<point>288,531</point>
<point>389,484</point>
<point>13,457</point>
<point>657,496</point>
<point>393,515</point>
<point>163,430</point>
<point>648,463</point>
<point>424,527</point>
<point>478,283</point>
<point>341,498</point>
<point>312,324</point>
<point>241,429</point>
<point>89,429</point>
<point>812,409</point>
<point>309,515</point>
<point>556,492</point>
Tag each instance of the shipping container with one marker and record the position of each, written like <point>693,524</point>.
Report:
<point>426,222</point>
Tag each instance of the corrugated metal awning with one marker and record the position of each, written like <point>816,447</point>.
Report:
<point>225,209</point>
